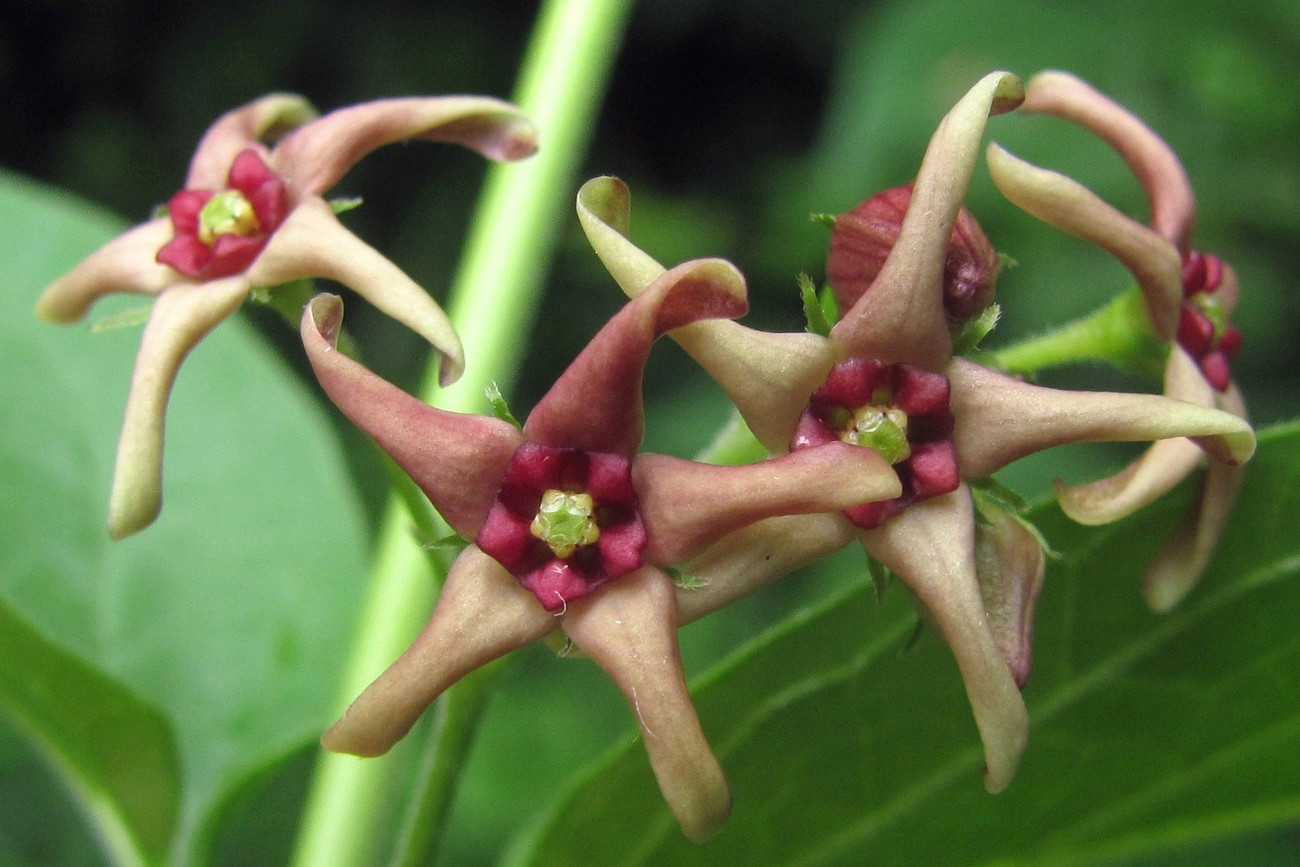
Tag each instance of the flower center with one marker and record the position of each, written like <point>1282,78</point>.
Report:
<point>1203,326</point>
<point>565,522</point>
<point>883,429</point>
<point>227,213</point>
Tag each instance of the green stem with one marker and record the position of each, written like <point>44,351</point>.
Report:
<point>1117,333</point>
<point>493,302</point>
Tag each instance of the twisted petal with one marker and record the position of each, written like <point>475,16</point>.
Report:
<point>749,559</point>
<point>1181,561</point>
<point>901,317</point>
<point>1073,208</point>
<point>931,547</point>
<point>1000,419</point>
<point>596,403</point>
<point>240,129</point>
<point>314,157</point>
<point>124,264</point>
<point>767,376</point>
<point>458,460</point>
<point>313,243</point>
<point>1010,564</point>
<point>688,505</point>
<point>482,614</point>
<point>1156,472</point>
<point>630,630</point>
<point>181,317</point>
<point>1168,191</point>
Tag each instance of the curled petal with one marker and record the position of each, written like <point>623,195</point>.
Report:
<point>749,559</point>
<point>767,376</point>
<point>1073,208</point>
<point>314,157</point>
<point>1181,561</point>
<point>687,505</point>
<point>630,630</point>
<point>1000,419</point>
<point>931,547</point>
<point>240,129</point>
<point>458,460</point>
<point>1168,191</point>
<point>124,264</point>
<point>313,243</point>
<point>1156,472</point>
<point>901,317</point>
<point>181,317</point>
<point>595,405</point>
<point>1010,562</point>
<point>482,613</point>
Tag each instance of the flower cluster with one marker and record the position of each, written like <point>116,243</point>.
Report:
<point>878,430</point>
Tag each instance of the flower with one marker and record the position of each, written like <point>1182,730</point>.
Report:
<point>1188,298</point>
<point>254,217</point>
<point>572,528</point>
<point>891,356</point>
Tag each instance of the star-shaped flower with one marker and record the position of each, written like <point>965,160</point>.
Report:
<point>572,528</point>
<point>252,216</point>
<point>1189,297</point>
<point>890,360</point>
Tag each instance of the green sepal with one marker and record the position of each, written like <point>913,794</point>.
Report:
<point>131,318</point>
<point>975,329</point>
<point>820,309</point>
<point>500,409</point>
<point>343,204</point>
<point>685,580</point>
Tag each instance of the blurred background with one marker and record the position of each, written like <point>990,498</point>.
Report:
<point>731,121</point>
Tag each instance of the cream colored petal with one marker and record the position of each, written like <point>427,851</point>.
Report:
<point>181,317</point>
<point>931,547</point>
<point>314,157</point>
<point>750,559</point>
<point>768,376</point>
<point>313,243</point>
<point>629,628</point>
<point>238,130</point>
<point>1182,560</point>
<point>687,505</point>
<point>1156,472</point>
<point>1071,207</point>
<point>1000,419</point>
<point>1169,193</point>
<point>125,264</point>
<point>901,316</point>
<point>482,614</point>
<point>1010,564</point>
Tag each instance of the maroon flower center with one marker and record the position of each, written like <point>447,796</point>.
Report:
<point>564,522</point>
<point>1203,326</point>
<point>898,410</point>
<point>217,233</point>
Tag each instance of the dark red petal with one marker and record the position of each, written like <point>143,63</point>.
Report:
<point>1230,342</point>
<point>622,546</point>
<point>1195,331</point>
<point>248,172</point>
<point>1218,372</point>
<point>1193,273</point>
<point>933,469</point>
<point>850,383</point>
<point>537,468</point>
<point>868,516</point>
<point>558,583</point>
<point>507,538</point>
<point>270,203</point>
<point>609,479</point>
<point>920,391</point>
<point>811,431</point>
<point>184,208</point>
<point>187,254</point>
<point>233,253</point>
<point>1213,273</point>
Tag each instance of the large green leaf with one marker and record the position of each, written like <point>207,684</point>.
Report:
<point>847,744</point>
<point>231,615</point>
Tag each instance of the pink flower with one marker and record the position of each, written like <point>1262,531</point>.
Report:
<point>1189,297</point>
<point>254,217</point>
<point>572,528</point>
<point>898,332</point>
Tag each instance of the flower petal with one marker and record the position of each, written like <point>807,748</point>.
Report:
<point>595,405</point>
<point>901,317</point>
<point>1010,564</point>
<point>630,630</point>
<point>767,376</point>
<point>240,129</point>
<point>931,547</point>
<point>688,505</point>
<point>1073,208</point>
<point>1168,191</point>
<point>181,317</point>
<point>124,264</point>
<point>313,243</point>
<point>482,614</point>
<point>458,460</point>
<point>751,558</point>
<point>1156,472</point>
<point>314,157</point>
<point>1000,419</point>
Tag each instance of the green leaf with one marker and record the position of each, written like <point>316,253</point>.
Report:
<point>229,614</point>
<point>1148,731</point>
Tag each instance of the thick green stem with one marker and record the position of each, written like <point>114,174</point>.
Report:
<point>493,302</point>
